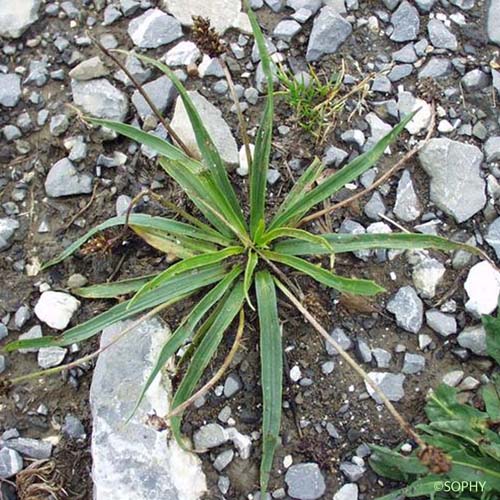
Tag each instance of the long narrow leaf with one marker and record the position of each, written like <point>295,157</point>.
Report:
<point>271,359</point>
<point>205,352</point>
<point>298,234</point>
<point>343,243</point>
<point>338,180</point>
<point>193,263</point>
<point>112,290</point>
<point>144,221</point>
<point>209,153</point>
<point>185,330</point>
<point>177,289</point>
<point>252,261</point>
<point>263,140</point>
<point>340,283</point>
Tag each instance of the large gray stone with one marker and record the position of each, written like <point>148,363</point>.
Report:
<point>305,481</point>
<point>133,460</point>
<point>440,36</point>
<point>492,236</point>
<point>408,309</point>
<point>7,229</point>
<point>456,185</point>
<point>153,29</point>
<point>493,26</point>
<point>391,385</point>
<point>11,463</point>
<point>64,180</point>
<point>99,98</point>
<point>407,206</point>
<point>474,339</point>
<point>16,16</point>
<point>218,129</point>
<point>406,23</point>
<point>223,14</point>
<point>10,89</point>
<point>161,91</point>
<point>329,32</point>
<point>29,447</point>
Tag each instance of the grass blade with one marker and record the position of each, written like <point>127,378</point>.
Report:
<point>298,234</point>
<point>252,261</point>
<point>193,263</point>
<point>337,181</point>
<point>263,140</point>
<point>303,184</point>
<point>186,329</point>
<point>271,359</point>
<point>343,243</point>
<point>143,221</point>
<point>340,283</point>
<point>112,290</point>
<point>205,352</point>
<point>209,153</point>
<point>180,287</point>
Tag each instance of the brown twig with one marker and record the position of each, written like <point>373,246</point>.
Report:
<point>83,210</point>
<point>403,423</point>
<point>145,95</point>
<point>408,156</point>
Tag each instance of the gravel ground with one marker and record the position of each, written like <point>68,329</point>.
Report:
<point>58,178</point>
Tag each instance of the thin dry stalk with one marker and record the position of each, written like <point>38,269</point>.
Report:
<point>403,423</point>
<point>40,480</point>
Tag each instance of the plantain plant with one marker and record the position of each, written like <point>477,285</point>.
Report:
<point>237,262</point>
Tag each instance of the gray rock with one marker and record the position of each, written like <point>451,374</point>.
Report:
<point>363,351</point>
<point>381,84</point>
<point>353,472</point>
<point>29,447</point>
<point>209,436</point>
<point>463,4</point>
<point>413,363</point>
<point>89,69</point>
<point>440,36</point>
<point>311,5</point>
<point>10,89</point>
<point>122,204</point>
<point>219,130</point>
<point>183,54</point>
<point>136,69</point>
<point>456,184</point>
<point>275,5</point>
<point>161,91</point>
<point>406,54</point>
<point>329,32</point>
<point>63,179</point>
<point>2,363</point>
<point>406,23</point>
<point>223,460</point>
<point>492,149</point>
<point>375,206</point>
<point>382,357</point>
<point>38,73</point>
<point>23,314</point>
<point>425,5</point>
<point>153,29</point>
<point>16,17</point>
<point>437,67</point>
<point>305,481</point>
<point>3,331</point>
<point>399,72</point>
<point>11,133</point>
<point>7,229</point>
<point>73,428</point>
<point>407,206</point>
<point>339,336</point>
<point>390,384</point>
<point>475,80</point>
<point>496,80</point>
<point>111,14</point>
<point>99,98</point>
<point>391,4</point>
<point>442,323</point>
<point>285,30</point>
<point>408,309</point>
<point>10,463</point>
<point>58,125</point>
<point>474,339</point>
<point>51,356</point>
<point>347,492</point>
<point>132,459</point>
<point>232,385</point>
<point>492,236</point>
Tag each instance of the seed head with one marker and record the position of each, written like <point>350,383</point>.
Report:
<point>206,38</point>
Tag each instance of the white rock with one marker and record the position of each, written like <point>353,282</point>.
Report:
<point>391,385</point>
<point>483,288</point>
<point>243,169</point>
<point>182,54</point>
<point>132,460</point>
<point>56,309</point>
<point>427,275</point>
<point>223,14</point>
<point>51,356</point>
<point>407,103</point>
<point>217,127</point>
<point>16,16</point>
<point>348,492</point>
